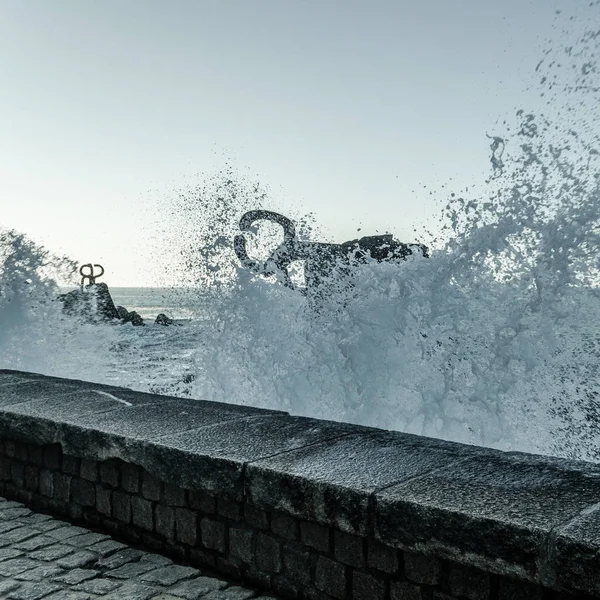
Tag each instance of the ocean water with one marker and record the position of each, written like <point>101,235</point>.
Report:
<point>493,340</point>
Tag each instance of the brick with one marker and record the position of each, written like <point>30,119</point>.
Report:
<point>109,473</point>
<point>71,465</point>
<point>229,509</point>
<point>203,502</point>
<point>315,536</point>
<point>255,517</point>
<point>268,553</point>
<point>284,526</point>
<point>83,492</point>
<point>130,478</point>
<point>421,568</point>
<point>62,487</point>
<point>121,506</point>
<point>297,565</point>
<point>240,544</point>
<point>213,534</point>
<point>349,549</point>
<point>52,457</point>
<point>382,557</point>
<point>330,577</point>
<point>367,587</point>
<point>142,513</point>
<point>173,495</point>
<point>150,487</point>
<point>469,582</point>
<point>403,590</point>
<point>165,521</point>
<point>186,526</point>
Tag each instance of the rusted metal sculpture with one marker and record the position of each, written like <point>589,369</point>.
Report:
<point>321,260</point>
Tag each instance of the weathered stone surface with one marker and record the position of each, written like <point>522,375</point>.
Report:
<point>577,553</point>
<point>497,507</point>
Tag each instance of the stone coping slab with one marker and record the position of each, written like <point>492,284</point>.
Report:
<point>531,517</point>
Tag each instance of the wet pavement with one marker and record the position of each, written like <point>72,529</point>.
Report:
<point>45,558</point>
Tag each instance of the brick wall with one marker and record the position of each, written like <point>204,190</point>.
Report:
<point>294,558</point>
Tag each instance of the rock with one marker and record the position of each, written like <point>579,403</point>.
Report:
<point>123,313</point>
<point>162,319</point>
<point>136,318</point>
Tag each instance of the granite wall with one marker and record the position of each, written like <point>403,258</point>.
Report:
<point>308,509</point>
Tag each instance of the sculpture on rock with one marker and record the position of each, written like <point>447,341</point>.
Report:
<point>93,301</point>
<point>323,262</point>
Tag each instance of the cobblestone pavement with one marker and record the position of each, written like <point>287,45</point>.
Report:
<point>43,557</point>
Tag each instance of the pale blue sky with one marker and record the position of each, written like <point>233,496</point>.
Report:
<point>341,106</point>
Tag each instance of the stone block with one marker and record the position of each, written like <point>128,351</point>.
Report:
<point>330,577</point>
<point>268,553</point>
<point>46,483</point>
<point>186,526</point>
<point>21,451</point>
<point>103,501</point>
<point>31,478</point>
<point>109,473</point>
<point>367,587</point>
<point>241,544</point>
<point>35,455</point>
<point>150,487</point>
<point>71,465</point>
<point>202,502</point>
<point>404,590</point>
<point>511,589</point>
<point>9,448</point>
<point>297,565</point>
<point>130,478</point>
<point>256,517</point>
<point>422,568</point>
<point>349,549</point>
<point>164,519</point>
<point>5,468</point>
<point>52,455</point>
<point>469,583</point>
<point>229,509</point>
<point>121,506</point>
<point>17,473</point>
<point>315,536</point>
<point>83,492</point>
<point>141,510</point>
<point>62,487</point>
<point>173,495</point>
<point>213,534</point>
<point>285,526</point>
<point>382,557</point>
<point>89,470</point>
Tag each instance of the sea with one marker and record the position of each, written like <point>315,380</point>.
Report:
<point>493,340</point>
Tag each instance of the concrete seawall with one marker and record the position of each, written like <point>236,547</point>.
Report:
<point>307,508</point>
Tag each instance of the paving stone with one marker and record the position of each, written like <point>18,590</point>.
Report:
<point>40,573</point>
<point>196,588</point>
<point>120,558</point>
<point>17,535</point>
<point>169,575</point>
<point>52,552</point>
<point>157,559</point>
<point>8,586</point>
<point>133,591</point>
<point>69,596</point>
<point>76,576</point>
<point>33,590</point>
<point>35,543</point>
<point>131,570</point>
<point>77,559</point>
<point>69,531</point>
<point>12,567</point>
<point>106,547</point>
<point>98,586</point>
<point>9,525</point>
<point>8,553</point>
<point>87,539</point>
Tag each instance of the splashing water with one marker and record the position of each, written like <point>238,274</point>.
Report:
<point>493,340</point>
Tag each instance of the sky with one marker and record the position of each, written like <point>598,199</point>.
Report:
<point>359,111</point>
